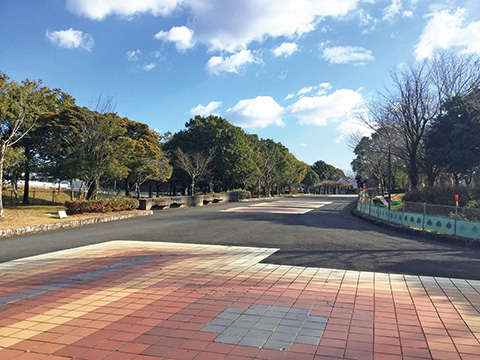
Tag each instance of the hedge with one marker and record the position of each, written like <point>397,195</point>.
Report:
<point>101,206</point>
<point>444,195</point>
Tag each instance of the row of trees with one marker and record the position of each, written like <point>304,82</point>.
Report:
<point>426,126</point>
<point>44,131</point>
<point>218,156</point>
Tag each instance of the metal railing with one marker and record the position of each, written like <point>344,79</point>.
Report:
<point>452,220</point>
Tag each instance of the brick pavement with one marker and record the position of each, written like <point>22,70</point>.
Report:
<point>139,300</point>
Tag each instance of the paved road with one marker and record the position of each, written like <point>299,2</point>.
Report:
<point>327,236</point>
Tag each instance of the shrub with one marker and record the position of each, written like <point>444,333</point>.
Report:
<point>442,195</point>
<point>101,206</point>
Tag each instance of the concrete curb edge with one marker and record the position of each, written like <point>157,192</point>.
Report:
<point>69,224</point>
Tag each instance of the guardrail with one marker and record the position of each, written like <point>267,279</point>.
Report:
<point>451,220</point>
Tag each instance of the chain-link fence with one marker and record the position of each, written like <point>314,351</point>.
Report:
<point>453,220</point>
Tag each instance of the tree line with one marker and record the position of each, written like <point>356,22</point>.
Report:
<point>426,126</point>
<point>44,131</point>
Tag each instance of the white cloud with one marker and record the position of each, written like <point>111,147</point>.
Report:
<point>99,9</point>
<point>347,54</point>
<point>133,55</point>
<point>352,126</point>
<point>181,36</point>
<point>70,39</point>
<point>322,89</point>
<point>206,110</point>
<point>149,67</point>
<point>259,112</point>
<point>446,29</point>
<point>392,10</point>
<point>232,64</point>
<point>286,49</point>
<point>319,110</point>
<point>227,25</point>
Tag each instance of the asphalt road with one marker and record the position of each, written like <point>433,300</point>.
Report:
<point>328,237</point>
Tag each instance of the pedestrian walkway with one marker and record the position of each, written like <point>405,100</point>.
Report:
<point>281,207</point>
<point>144,301</point>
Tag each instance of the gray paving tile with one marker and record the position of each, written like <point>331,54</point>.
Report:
<point>235,331</point>
<point>250,341</point>
<point>293,323</point>
<point>313,325</point>
<point>260,306</point>
<point>280,308</point>
<point>320,319</point>
<point>277,345</point>
<point>299,311</point>
<point>269,320</point>
<point>261,334</point>
<point>255,312</point>
<point>264,326</point>
<point>221,322</point>
<point>239,323</point>
<point>277,336</point>
<point>213,328</point>
<point>228,315</point>
<point>293,316</point>
<point>235,310</point>
<point>287,329</point>
<point>228,339</point>
<point>253,318</point>
<point>310,332</point>
<point>309,340</point>
<point>275,314</point>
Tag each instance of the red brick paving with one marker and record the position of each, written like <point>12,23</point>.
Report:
<point>156,306</point>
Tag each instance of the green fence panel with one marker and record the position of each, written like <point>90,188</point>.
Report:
<point>396,217</point>
<point>363,207</point>
<point>412,219</point>
<point>383,213</point>
<point>440,224</point>
<point>468,229</point>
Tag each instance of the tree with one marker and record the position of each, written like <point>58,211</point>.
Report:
<point>145,159</point>
<point>270,158</point>
<point>292,171</point>
<point>49,102</point>
<point>195,164</point>
<point>326,171</point>
<point>408,109</point>
<point>18,109</point>
<point>234,161</point>
<point>87,145</point>
<point>453,141</point>
<point>311,178</point>
<point>14,159</point>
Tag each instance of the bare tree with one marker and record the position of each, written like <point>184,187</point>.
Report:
<point>454,74</point>
<point>408,109</point>
<point>195,164</point>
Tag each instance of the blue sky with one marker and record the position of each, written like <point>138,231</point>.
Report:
<point>298,72</point>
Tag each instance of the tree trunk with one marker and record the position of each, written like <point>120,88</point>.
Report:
<point>127,188</point>
<point>92,189</point>
<point>72,190</point>
<point>26,188</point>
<point>413,172</point>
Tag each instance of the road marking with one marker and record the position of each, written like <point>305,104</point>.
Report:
<point>281,207</point>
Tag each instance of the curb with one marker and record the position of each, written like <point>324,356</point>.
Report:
<point>69,224</point>
<point>448,239</point>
